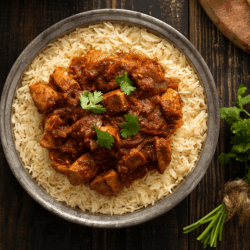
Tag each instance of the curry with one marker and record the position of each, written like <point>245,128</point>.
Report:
<point>70,133</point>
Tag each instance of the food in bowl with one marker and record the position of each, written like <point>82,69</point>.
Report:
<point>108,145</point>
<point>186,142</point>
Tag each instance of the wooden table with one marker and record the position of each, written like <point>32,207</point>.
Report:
<point>26,225</point>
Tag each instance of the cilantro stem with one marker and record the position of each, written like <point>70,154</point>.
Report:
<point>202,219</point>
<point>222,224</point>
<point>191,229</point>
<point>245,112</point>
<point>209,226</point>
<point>216,232</point>
<point>206,241</point>
<point>214,229</point>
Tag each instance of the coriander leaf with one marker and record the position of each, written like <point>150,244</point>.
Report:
<point>242,100</point>
<point>242,136</point>
<point>231,114</point>
<point>240,94</point>
<point>89,101</point>
<point>131,127</point>
<point>242,158</point>
<point>84,98</point>
<point>125,84</point>
<point>245,100</point>
<point>241,148</point>
<point>241,125</point>
<point>96,97</point>
<point>224,158</point>
<point>104,138</point>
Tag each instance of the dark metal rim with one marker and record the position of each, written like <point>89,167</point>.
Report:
<point>105,221</point>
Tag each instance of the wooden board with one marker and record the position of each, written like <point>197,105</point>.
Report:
<point>232,17</point>
<point>25,225</point>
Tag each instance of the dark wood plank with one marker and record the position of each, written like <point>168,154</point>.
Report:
<point>168,11</point>
<point>230,66</point>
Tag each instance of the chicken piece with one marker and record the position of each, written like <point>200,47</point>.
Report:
<point>154,123</point>
<point>73,147</point>
<point>104,85</point>
<point>44,97</point>
<point>71,114</point>
<point>115,102</point>
<point>163,153</point>
<point>131,161</point>
<point>119,66</point>
<point>95,64</point>
<point>103,155</point>
<point>72,97</point>
<point>61,132</point>
<point>149,151</point>
<point>152,120</point>
<point>113,132</point>
<point>139,173</point>
<point>52,122</point>
<point>171,104</point>
<point>52,84</point>
<point>88,67</point>
<point>82,170</point>
<point>142,58</point>
<point>62,80</point>
<point>60,161</point>
<point>107,183</point>
<point>84,129</point>
<point>150,73</point>
<point>132,142</point>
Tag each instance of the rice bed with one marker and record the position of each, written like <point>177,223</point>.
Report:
<point>187,142</point>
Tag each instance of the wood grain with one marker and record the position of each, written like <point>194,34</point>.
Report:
<point>173,12</point>
<point>26,225</point>
<point>229,66</point>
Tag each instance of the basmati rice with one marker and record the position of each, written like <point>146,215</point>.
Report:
<point>187,142</point>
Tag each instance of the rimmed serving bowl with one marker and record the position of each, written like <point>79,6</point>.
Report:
<point>67,25</point>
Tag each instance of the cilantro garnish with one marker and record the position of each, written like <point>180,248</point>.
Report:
<point>104,138</point>
<point>240,127</point>
<point>131,127</point>
<point>89,101</point>
<point>125,84</point>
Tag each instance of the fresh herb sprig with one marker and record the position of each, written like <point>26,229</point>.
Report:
<point>240,151</point>
<point>214,229</point>
<point>131,127</point>
<point>125,84</point>
<point>104,138</point>
<point>240,127</point>
<point>89,101</point>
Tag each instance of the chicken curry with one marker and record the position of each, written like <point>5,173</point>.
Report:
<point>71,131</point>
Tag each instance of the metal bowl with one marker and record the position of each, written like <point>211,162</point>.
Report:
<point>65,26</point>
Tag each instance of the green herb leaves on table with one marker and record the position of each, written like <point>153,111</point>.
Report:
<point>240,151</point>
<point>125,84</point>
<point>240,127</point>
<point>89,101</point>
<point>131,127</point>
<point>104,139</point>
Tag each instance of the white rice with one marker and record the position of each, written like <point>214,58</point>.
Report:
<point>187,142</point>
